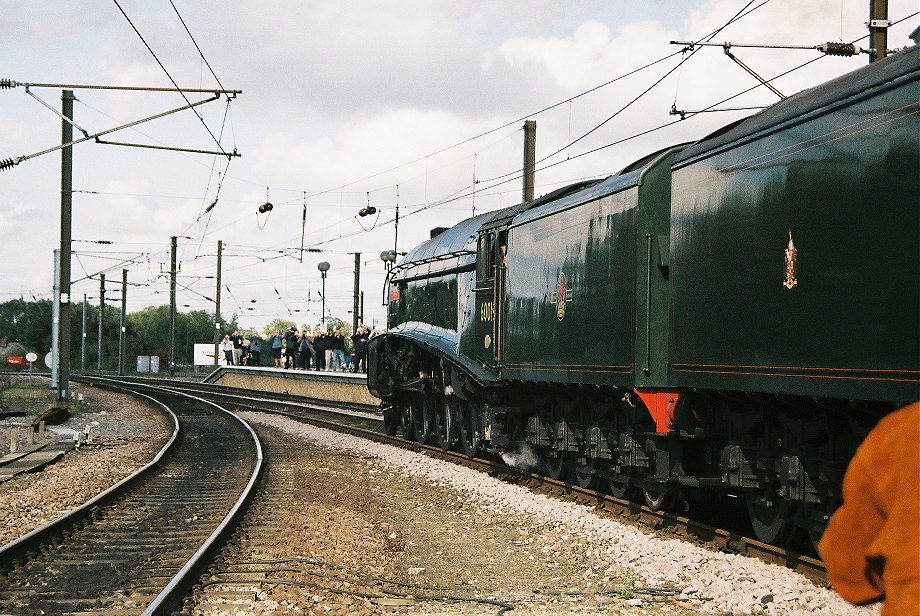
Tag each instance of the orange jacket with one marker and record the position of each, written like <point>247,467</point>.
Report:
<point>871,547</point>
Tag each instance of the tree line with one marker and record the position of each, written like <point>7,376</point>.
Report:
<point>147,331</point>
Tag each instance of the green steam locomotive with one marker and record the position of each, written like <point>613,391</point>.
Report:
<point>728,315</point>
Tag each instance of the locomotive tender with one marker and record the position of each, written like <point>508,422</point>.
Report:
<point>733,314</point>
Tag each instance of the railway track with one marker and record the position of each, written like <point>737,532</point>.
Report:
<point>138,546</point>
<point>367,425</point>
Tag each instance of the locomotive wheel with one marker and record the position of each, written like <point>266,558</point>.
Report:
<point>772,524</point>
<point>660,498</point>
<point>445,421</point>
<point>392,417</point>
<point>407,419</point>
<point>619,486</point>
<point>470,432</point>
<point>423,418</point>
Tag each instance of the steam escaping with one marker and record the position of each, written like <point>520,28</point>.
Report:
<point>524,457</point>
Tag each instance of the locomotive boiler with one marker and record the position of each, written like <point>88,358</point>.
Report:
<point>728,315</point>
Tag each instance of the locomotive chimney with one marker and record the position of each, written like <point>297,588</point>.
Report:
<point>530,156</point>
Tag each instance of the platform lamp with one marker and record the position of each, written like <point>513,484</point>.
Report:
<point>389,259</point>
<point>323,267</point>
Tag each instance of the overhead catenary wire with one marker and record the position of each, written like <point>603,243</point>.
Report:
<point>162,66</point>
<point>740,14</point>
<point>201,53</point>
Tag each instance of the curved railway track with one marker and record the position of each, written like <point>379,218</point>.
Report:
<point>363,421</point>
<point>138,546</point>
<point>369,425</point>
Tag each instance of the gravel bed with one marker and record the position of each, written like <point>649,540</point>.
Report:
<point>545,555</point>
<point>124,434</point>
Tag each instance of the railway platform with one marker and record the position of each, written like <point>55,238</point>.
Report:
<point>333,386</point>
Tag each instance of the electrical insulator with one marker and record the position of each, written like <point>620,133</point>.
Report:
<point>266,207</point>
<point>367,211</point>
<point>6,84</point>
<point>840,49</point>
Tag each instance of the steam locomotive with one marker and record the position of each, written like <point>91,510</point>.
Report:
<point>729,315</point>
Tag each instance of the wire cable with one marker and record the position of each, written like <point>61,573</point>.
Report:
<point>176,85</point>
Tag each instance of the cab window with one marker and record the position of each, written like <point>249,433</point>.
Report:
<point>485,257</point>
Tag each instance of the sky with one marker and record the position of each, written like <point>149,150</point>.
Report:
<point>411,104</point>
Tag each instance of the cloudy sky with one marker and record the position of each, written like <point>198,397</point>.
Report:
<point>349,103</point>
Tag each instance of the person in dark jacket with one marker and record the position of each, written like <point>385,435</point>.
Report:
<point>255,349</point>
<point>237,341</point>
<point>306,351</point>
<point>338,350</point>
<point>290,348</point>
<point>359,343</point>
<point>319,347</point>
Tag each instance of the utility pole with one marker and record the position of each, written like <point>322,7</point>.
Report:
<point>124,319</point>
<point>55,325</point>
<point>878,29</point>
<point>63,389</point>
<point>355,314</point>
<point>172,306</point>
<point>396,223</point>
<point>83,339</point>
<point>530,157</point>
<point>362,307</point>
<point>217,330</point>
<point>101,313</point>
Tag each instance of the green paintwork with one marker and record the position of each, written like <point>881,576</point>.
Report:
<point>598,242</point>
<point>586,336</point>
<point>844,182</point>
<point>652,250</point>
<point>432,301</point>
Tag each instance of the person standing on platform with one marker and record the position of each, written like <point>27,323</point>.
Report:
<point>276,342</point>
<point>237,341</point>
<point>330,351</point>
<point>338,349</point>
<point>227,347</point>
<point>306,351</point>
<point>359,342</point>
<point>319,347</point>
<point>255,349</point>
<point>244,354</point>
<point>290,348</point>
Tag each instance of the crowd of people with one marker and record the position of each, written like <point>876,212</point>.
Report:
<point>321,349</point>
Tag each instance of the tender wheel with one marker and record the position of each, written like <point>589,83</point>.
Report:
<point>392,417</point>
<point>619,486</point>
<point>583,474</point>
<point>423,419</point>
<point>660,498</point>
<point>445,421</point>
<point>470,430</point>
<point>772,524</point>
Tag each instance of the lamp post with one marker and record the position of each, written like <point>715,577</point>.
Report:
<point>323,267</point>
